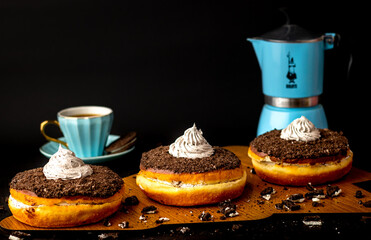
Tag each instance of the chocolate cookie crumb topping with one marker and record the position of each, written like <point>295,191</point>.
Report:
<point>330,143</point>
<point>102,183</point>
<point>160,159</point>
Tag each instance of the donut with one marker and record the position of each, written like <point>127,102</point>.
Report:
<point>190,182</point>
<point>67,201</point>
<point>191,172</point>
<point>296,162</point>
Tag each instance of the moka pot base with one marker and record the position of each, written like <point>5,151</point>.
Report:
<point>273,117</point>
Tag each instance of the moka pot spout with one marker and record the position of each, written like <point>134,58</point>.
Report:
<point>258,48</point>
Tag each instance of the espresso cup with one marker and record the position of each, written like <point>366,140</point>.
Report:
<point>85,128</point>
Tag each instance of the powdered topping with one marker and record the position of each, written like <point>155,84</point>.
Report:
<point>191,145</point>
<point>65,165</point>
<point>301,129</point>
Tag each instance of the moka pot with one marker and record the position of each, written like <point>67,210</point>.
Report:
<point>291,60</point>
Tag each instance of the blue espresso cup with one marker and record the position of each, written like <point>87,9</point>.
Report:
<point>85,128</point>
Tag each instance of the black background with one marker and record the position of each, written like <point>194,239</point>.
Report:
<point>164,65</point>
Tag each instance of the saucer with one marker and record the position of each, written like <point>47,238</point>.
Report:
<point>49,148</point>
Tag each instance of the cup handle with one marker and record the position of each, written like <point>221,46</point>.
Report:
<point>42,129</point>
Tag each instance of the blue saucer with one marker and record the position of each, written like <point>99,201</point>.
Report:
<point>49,148</point>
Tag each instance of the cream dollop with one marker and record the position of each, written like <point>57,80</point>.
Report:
<point>65,165</point>
<point>191,145</point>
<point>301,129</point>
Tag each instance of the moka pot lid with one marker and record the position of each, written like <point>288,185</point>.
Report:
<point>291,33</point>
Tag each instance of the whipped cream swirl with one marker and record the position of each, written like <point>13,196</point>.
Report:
<point>301,129</point>
<point>191,145</point>
<point>65,165</point>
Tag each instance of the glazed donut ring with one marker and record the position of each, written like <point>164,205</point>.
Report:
<point>190,189</point>
<point>61,212</point>
<point>299,174</point>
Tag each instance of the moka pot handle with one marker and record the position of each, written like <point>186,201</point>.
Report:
<point>330,40</point>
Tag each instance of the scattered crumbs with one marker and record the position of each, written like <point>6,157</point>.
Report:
<point>17,235</point>
<point>124,224</point>
<point>287,205</point>
<point>205,216</point>
<point>124,209</point>
<point>316,193</point>
<point>143,218</point>
<point>367,203</point>
<point>267,193</point>
<point>297,197</point>
<point>227,208</point>
<point>149,209</point>
<point>365,219</point>
<point>312,220</point>
<point>131,201</point>
<point>113,235</point>
<point>359,194</point>
<point>183,230</point>
<point>279,206</point>
<point>333,191</point>
<point>236,227</point>
<point>316,202</point>
<point>162,219</point>
<point>309,187</point>
<point>107,222</point>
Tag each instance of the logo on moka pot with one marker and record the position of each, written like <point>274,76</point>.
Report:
<point>291,75</point>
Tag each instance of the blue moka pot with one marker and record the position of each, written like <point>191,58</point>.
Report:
<point>292,63</point>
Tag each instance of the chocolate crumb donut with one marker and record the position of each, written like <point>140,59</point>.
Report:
<point>66,192</point>
<point>292,156</point>
<point>191,172</point>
